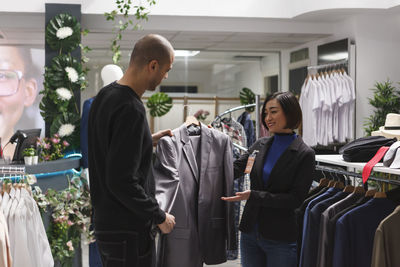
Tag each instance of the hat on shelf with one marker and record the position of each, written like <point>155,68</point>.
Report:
<point>392,156</point>
<point>391,128</point>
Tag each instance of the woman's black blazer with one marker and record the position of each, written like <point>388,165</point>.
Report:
<point>272,207</point>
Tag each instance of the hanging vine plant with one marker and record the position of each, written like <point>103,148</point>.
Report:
<point>124,7</point>
<point>159,104</point>
<point>63,33</point>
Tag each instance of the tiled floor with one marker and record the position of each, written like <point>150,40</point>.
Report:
<point>85,260</point>
<point>235,263</point>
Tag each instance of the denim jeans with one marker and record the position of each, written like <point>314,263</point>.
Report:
<point>259,252</point>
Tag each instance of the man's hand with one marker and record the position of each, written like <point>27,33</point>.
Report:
<point>168,225</point>
<point>239,196</point>
<point>156,136</point>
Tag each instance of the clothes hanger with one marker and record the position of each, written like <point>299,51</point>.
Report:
<point>370,193</point>
<point>338,185</point>
<point>380,195</point>
<point>348,189</point>
<point>359,190</point>
<point>190,119</point>
<point>323,181</point>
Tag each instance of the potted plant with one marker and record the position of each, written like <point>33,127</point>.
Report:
<point>28,153</point>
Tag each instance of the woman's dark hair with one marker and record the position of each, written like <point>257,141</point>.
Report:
<point>290,107</point>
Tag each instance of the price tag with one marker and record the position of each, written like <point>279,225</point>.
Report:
<point>250,162</point>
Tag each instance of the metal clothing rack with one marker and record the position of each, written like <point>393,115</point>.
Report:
<point>219,116</point>
<point>8,171</point>
<point>329,65</point>
<point>355,174</point>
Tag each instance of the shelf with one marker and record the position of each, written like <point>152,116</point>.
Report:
<point>338,160</point>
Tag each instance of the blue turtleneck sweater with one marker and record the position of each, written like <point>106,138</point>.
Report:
<point>278,146</point>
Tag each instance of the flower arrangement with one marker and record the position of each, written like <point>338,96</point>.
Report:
<point>201,115</point>
<point>63,79</point>
<point>71,213</point>
<point>51,148</point>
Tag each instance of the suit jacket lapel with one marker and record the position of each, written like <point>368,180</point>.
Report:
<point>188,151</point>
<point>206,140</point>
<point>259,163</point>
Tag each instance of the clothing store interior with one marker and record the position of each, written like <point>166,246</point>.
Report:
<point>245,188</point>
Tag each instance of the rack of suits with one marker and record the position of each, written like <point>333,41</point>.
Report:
<point>23,239</point>
<point>327,100</point>
<point>193,170</point>
<point>348,226</point>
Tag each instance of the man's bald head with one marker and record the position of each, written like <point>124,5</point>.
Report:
<point>151,47</point>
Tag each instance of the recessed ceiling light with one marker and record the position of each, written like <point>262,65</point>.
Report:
<point>185,53</point>
<point>335,56</point>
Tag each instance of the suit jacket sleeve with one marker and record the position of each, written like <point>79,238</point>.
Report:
<point>296,195</point>
<point>230,213</point>
<point>123,160</point>
<point>378,253</point>
<point>166,174</point>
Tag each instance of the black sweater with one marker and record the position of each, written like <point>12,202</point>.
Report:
<point>120,151</point>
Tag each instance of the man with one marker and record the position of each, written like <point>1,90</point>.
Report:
<point>18,90</point>
<point>120,151</point>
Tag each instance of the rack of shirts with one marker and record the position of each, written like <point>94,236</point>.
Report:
<point>328,103</point>
<point>23,239</point>
<point>220,116</point>
<point>349,226</point>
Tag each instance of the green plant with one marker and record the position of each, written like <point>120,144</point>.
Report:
<point>51,148</point>
<point>29,152</point>
<point>386,100</point>
<point>159,104</point>
<point>247,97</point>
<point>63,79</point>
<point>71,212</point>
<point>63,33</point>
<point>124,7</point>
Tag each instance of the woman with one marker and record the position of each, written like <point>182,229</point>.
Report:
<point>280,179</point>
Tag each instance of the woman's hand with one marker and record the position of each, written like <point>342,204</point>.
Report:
<point>239,196</point>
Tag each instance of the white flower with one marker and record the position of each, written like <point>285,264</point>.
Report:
<point>72,74</point>
<point>66,130</point>
<point>64,32</point>
<point>70,246</point>
<point>63,94</point>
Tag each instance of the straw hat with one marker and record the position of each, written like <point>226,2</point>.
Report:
<point>391,128</point>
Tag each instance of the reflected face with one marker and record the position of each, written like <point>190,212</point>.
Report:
<point>275,117</point>
<point>161,73</point>
<point>12,105</point>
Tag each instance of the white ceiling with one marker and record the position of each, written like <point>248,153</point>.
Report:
<point>242,35</point>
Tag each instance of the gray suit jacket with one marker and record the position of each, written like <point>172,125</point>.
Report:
<point>191,192</point>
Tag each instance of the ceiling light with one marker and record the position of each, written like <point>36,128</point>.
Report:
<point>185,53</point>
<point>335,56</point>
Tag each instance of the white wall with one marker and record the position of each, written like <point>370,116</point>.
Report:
<point>224,8</point>
<point>377,39</point>
<point>201,78</point>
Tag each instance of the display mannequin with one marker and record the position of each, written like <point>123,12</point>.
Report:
<point>109,74</point>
